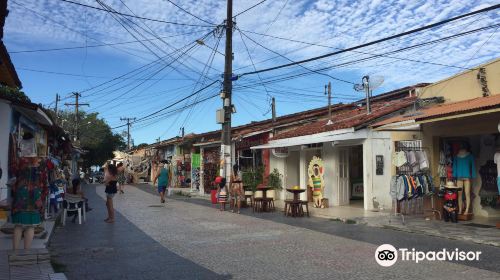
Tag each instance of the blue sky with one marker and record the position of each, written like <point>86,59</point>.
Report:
<point>330,25</point>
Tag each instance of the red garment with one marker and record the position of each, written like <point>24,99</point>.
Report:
<point>449,172</point>
<point>455,147</point>
<point>450,196</point>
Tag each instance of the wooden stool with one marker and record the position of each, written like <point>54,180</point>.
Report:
<point>257,204</point>
<point>287,204</point>
<point>304,202</point>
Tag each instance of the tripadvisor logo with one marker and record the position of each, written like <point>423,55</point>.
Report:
<point>387,255</point>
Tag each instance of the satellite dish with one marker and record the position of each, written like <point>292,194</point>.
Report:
<point>369,82</point>
<point>375,81</point>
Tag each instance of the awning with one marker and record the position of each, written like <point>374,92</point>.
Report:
<point>336,135</point>
<point>208,144</point>
<point>36,115</point>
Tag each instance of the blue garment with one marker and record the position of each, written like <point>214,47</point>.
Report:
<point>498,184</point>
<point>163,178</point>
<point>463,167</point>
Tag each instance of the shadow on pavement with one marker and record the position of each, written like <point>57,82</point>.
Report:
<point>97,250</point>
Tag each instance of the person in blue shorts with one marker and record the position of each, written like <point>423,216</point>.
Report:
<point>162,178</point>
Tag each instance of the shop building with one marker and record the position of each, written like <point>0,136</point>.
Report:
<point>465,121</point>
<point>354,160</point>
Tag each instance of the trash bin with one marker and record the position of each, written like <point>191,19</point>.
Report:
<point>213,196</point>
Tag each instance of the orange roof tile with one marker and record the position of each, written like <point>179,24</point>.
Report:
<point>447,109</point>
<point>350,118</point>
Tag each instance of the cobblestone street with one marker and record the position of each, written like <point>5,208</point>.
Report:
<point>189,239</point>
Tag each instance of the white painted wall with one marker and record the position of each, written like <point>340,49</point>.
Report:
<point>377,186</point>
<point>5,124</point>
<point>331,178</point>
<point>278,163</point>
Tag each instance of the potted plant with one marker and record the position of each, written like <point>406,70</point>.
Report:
<point>251,179</point>
<point>275,182</point>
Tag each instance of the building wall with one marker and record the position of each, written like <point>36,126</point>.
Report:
<point>6,117</point>
<point>465,85</point>
<point>376,187</point>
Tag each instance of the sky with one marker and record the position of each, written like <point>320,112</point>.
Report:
<point>131,67</point>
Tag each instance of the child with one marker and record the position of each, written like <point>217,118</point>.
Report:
<point>222,192</point>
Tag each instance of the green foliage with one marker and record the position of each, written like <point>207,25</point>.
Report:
<point>252,178</point>
<point>142,145</point>
<point>95,135</point>
<point>275,180</point>
<point>13,93</point>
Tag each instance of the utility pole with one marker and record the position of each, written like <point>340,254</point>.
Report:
<point>182,132</point>
<point>366,82</point>
<point>328,90</point>
<point>77,116</point>
<point>227,90</point>
<point>273,109</point>
<point>128,120</point>
<point>58,98</point>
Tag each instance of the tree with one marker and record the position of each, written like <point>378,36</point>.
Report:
<point>96,136</point>
<point>13,93</point>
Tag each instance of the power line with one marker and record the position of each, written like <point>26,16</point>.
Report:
<point>249,8</point>
<point>97,46</point>
<point>376,41</point>
<point>189,13</point>
<point>307,68</point>
<point>360,52</point>
<point>134,16</point>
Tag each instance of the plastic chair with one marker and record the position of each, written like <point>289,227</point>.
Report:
<point>73,203</point>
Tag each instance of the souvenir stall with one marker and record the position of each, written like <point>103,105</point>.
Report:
<point>211,166</point>
<point>29,165</point>
<point>412,183</point>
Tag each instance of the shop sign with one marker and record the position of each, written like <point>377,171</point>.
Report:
<point>379,161</point>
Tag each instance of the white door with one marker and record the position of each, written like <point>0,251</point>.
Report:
<point>343,172</point>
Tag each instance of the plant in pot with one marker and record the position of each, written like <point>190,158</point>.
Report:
<point>252,178</point>
<point>275,182</point>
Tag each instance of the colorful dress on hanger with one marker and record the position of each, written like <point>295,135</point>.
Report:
<point>27,204</point>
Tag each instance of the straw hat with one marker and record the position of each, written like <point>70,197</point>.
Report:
<point>451,185</point>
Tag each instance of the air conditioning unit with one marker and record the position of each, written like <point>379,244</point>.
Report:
<point>219,116</point>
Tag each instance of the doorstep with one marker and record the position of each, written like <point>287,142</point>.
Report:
<point>470,231</point>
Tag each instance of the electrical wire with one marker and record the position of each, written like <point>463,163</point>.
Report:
<point>189,13</point>
<point>249,8</point>
<point>487,9</point>
<point>134,16</point>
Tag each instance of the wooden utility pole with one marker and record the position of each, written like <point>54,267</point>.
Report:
<point>77,116</point>
<point>273,109</point>
<point>328,91</point>
<point>227,89</point>
<point>58,98</point>
<point>129,123</point>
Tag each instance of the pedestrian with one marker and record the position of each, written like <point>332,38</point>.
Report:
<point>221,192</point>
<point>121,177</point>
<point>111,189</point>
<point>237,192</point>
<point>162,178</point>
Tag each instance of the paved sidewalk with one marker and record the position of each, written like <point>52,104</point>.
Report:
<point>97,250</point>
<point>464,231</point>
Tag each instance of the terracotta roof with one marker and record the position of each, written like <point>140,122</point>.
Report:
<point>448,109</point>
<point>355,118</point>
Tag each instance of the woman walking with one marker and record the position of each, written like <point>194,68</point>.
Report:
<point>162,178</point>
<point>237,192</point>
<point>111,190</point>
<point>121,177</point>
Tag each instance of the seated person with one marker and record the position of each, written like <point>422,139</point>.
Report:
<point>78,192</point>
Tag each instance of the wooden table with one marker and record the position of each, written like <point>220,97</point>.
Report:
<point>265,201</point>
<point>296,204</point>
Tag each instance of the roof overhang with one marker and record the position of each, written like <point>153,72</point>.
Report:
<point>37,115</point>
<point>207,144</point>
<point>416,124</point>
<point>330,136</point>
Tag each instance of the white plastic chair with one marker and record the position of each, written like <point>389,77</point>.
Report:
<point>72,206</point>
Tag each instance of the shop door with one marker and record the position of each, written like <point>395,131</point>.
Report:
<point>343,176</point>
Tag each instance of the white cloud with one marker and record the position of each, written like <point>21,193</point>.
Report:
<point>339,24</point>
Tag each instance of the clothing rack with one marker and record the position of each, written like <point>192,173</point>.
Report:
<point>411,206</point>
